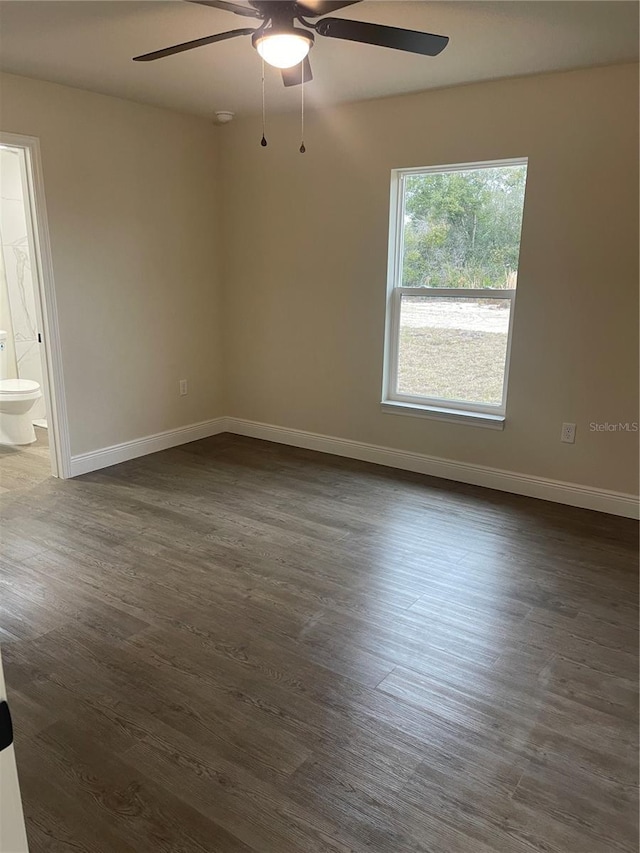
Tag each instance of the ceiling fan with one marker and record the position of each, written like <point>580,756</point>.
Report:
<point>286,46</point>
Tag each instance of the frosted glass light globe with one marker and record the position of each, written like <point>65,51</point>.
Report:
<point>283,50</point>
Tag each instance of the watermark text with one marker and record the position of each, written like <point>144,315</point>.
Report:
<point>620,426</point>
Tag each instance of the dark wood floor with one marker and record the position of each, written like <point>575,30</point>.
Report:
<point>26,466</point>
<point>237,646</point>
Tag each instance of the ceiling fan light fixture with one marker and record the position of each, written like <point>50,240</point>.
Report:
<point>284,50</point>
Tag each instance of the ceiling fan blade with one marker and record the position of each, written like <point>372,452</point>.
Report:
<point>315,8</point>
<point>410,40</point>
<point>293,76</point>
<point>189,45</point>
<point>228,7</point>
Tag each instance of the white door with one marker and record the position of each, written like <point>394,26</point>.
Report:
<point>13,838</point>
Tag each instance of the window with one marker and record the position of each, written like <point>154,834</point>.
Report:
<point>453,267</point>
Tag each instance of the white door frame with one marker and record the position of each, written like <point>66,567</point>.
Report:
<point>46,308</point>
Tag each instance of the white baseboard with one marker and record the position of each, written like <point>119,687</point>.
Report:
<point>96,459</point>
<point>601,500</point>
<point>572,494</point>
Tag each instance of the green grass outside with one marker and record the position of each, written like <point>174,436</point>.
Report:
<point>452,364</point>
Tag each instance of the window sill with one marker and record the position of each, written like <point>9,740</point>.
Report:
<point>454,416</point>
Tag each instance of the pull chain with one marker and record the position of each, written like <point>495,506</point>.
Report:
<point>263,141</point>
<point>302,148</point>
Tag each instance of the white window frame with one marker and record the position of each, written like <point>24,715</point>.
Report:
<point>405,404</point>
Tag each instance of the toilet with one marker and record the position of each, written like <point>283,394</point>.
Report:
<point>17,398</point>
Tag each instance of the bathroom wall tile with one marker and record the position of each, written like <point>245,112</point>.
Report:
<point>10,174</point>
<point>18,272</point>
<point>20,286</point>
<point>11,370</point>
<point>13,223</point>
<point>29,361</point>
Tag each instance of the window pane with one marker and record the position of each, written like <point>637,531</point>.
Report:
<point>462,229</point>
<point>453,348</point>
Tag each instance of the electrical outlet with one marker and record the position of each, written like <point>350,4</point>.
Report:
<point>184,387</point>
<point>568,434</point>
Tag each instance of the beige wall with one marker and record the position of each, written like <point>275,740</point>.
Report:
<point>132,203</point>
<point>306,252</point>
<point>135,218</point>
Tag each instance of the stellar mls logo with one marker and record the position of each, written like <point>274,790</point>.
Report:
<point>627,426</point>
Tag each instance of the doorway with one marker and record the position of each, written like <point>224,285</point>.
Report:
<point>33,443</point>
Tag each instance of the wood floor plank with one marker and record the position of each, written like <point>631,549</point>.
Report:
<point>140,812</point>
<point>239,647</point>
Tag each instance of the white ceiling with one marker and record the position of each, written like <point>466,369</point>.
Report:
<point>89,44</point>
